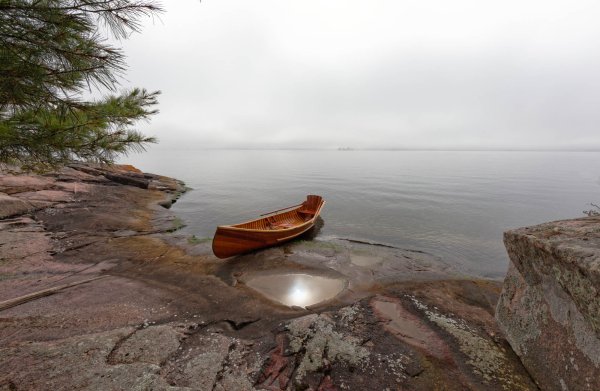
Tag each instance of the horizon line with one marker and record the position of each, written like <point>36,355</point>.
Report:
<point>416,149</point>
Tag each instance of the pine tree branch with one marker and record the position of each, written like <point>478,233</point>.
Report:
<point>50,50</point>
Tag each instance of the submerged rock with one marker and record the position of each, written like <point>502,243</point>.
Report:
<point>550,304</point>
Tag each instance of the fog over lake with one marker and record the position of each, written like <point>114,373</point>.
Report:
<point>376,74</point>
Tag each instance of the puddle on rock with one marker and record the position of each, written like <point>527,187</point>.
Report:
<point>294,289</point>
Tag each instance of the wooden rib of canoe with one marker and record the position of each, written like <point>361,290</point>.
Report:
<point>274,229</point>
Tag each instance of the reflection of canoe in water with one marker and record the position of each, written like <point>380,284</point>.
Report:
<point>268,231</point>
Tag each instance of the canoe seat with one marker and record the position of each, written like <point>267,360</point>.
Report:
<point>274,224</point>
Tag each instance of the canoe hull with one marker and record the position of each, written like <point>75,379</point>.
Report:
<point>231,240</point>
<point>228,242</point>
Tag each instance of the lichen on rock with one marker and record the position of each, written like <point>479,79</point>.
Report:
<point>324,346</point>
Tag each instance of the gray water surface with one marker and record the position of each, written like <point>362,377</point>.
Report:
<point>452,204</point>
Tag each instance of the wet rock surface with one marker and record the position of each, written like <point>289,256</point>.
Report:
<point>168,315</point>
<point>550,303</point>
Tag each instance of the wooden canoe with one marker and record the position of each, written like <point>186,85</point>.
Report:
<point>274,229</point>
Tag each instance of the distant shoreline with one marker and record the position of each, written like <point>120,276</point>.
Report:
<point>352,149</point>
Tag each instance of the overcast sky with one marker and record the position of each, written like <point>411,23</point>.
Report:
<point>372,74</point>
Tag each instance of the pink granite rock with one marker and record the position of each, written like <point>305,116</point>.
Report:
<point>47,196</point>
<point>11,206</point>
<point>11,184</point>
<point>550,305</point>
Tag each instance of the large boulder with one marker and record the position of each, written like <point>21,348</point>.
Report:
<point>549,308</point>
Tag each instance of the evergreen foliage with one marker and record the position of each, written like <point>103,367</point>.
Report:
<point>51,52</point>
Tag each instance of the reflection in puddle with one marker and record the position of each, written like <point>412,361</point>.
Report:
<point>300,290</point>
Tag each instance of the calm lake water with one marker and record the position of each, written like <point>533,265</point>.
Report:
<point>451,204</point>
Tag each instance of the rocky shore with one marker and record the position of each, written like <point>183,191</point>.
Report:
<point>99,291</point>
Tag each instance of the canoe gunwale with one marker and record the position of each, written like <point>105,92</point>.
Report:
<point>232,228</point>
<point>308,222</point>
